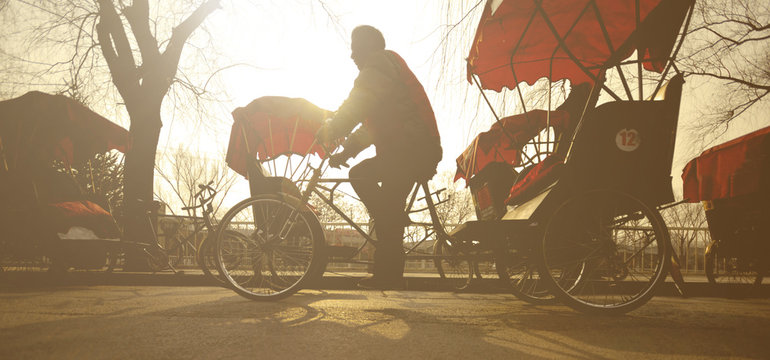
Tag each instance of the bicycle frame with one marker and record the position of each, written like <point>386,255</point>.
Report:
<point>316,188</point>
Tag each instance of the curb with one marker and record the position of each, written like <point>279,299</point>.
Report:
<point>22,280</point>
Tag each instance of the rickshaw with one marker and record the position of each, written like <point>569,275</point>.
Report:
<point>731,180</point>
<point>569,196</point>
<point>579,202</point>
<point>281,245</point>
<point>45,214</point>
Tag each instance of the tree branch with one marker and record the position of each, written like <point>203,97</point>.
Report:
<point>180,34</point>
<point>117,50</point>
<point>733,79</point>
<point>138,16</point>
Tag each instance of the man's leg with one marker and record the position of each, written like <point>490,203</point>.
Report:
<point>386,206</point>
<point>365,178</point>
<point>390,228</point>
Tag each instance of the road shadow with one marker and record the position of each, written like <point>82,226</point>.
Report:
<point>320,324</point>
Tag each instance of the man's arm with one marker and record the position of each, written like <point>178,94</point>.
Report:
<point>374,83</point>
<point>354,144</point>
<point>357,142</point>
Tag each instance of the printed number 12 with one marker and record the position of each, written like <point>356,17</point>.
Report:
<point>629,138</point>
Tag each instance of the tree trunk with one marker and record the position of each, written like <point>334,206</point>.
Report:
<point>139,175</point>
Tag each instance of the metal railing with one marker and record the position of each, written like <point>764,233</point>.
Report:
<point>689,242</point>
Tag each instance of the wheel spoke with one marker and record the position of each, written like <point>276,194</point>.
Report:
<point>605,252</point>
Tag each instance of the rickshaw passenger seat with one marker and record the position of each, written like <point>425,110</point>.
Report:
<point>628,145</point>
<point>543,173</point>
<point>598,159</point>
<point>62,216</point>
<point>262,182</point>
<point>577,100</point>
<point>548,169</point>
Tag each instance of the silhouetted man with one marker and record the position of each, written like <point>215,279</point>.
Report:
<point>395,115</point>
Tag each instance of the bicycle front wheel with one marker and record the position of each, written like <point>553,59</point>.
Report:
<point>605,252</point>
<point>280,246</point>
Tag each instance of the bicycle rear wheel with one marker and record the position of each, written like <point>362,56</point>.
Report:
<point>279,247</point>
<point>605,252</point>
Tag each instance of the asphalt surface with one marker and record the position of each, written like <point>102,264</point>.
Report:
<point>203,322</point>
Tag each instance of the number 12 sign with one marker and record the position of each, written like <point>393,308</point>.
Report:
<point>628,140</point>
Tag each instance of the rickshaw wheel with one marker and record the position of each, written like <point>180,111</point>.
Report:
<point>206,255</point>
<point>452,264</point>
<point>518,270</point>
<point>279,248</point>
<point>724,268</point>
<point>604,252</point>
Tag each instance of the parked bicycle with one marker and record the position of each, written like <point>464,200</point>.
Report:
<point>181,233</point>
<point>154,256</point>
<point>204,253</point>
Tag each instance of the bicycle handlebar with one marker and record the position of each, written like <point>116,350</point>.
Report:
<point>201,198</point>
<point>207,186</point>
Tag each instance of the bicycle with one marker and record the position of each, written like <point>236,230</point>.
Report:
<point>153,254</point>
<point>204,254</point>
<point>281,244</point>
<point>181,244</point>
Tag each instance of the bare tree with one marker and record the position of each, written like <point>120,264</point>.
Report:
<point>729,44</point>
<point>142,86</point>
<point>182,171</point>
<point>141,44</point>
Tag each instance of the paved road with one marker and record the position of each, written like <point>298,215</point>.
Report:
<point>159,322</point>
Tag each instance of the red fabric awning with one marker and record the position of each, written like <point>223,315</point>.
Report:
<point>495,146</point>
<point>731,169</point>
<point>520,42</point>
<point>38,126</point>
<point>272,126</point>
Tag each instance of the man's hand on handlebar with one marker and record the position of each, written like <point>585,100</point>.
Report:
<point>339,159</point>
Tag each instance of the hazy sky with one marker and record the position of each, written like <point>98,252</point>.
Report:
<point>296,50</point>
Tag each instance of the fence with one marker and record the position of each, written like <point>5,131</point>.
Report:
<point>689,243</point>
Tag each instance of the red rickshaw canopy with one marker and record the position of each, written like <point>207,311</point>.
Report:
<point>54,127</point>
<point>272,126</point>
<point>525,40</point>
<point>495,146</point>
<point>728,170</point>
